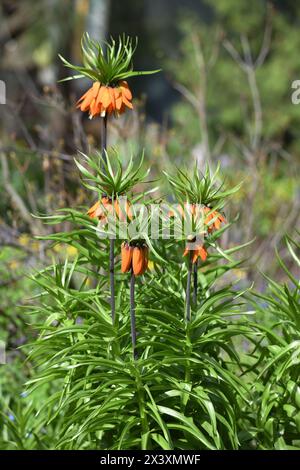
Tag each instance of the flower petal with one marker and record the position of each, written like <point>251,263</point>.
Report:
<point>92,210</point>
<point>126,257</point>
<point>138,261</point>
<point>126,102</point>
<point>125,89</point>
<point>112,97</point>
<point>95,89</point>
<point>105,97</point>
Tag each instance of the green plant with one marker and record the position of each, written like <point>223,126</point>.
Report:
<point>181,393</point>
<point>278,363</point>
<point>133,363</point>
<point>155,351</point>
<point>181,390</point>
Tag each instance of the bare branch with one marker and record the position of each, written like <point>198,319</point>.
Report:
<point>247,65</point>
<point>189,96</point>
<point>266,39</point>
<point>248,61</point>
<point>234,53</point>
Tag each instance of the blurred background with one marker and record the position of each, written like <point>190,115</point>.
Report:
<point>224,94</point>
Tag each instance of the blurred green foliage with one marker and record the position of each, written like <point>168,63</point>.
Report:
<point>228,94</point>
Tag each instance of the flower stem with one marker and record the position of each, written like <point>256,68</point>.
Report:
<point>112,278</point>
<point>195,283</point>
<point>188,289</point>
<point>132,315</point>
<point>103,135</point>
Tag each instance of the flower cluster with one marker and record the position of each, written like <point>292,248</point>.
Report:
<point>200,196</point>
<point>102,100</point>
<point>205,221</point>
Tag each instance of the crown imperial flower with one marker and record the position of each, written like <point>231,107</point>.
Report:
<point>102,100</point>
<point>108,69</point>
<point>198,252</point>
<point>135,258</point>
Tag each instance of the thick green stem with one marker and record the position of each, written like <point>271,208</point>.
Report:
<point>195,283</point>
<point>188,289</point>
<point>132,315</point>
<point>103,136</point>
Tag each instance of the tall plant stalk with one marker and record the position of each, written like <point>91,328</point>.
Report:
<point>132,315</point>
<point>112,241</point>
<point>188,289</point>
<point>103,135</point>
<point>195,282</point>
<point>112,278</point>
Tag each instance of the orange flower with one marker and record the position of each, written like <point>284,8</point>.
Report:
<point>101,208</point>
<point>181,210</point>
<point>126,257</point>
<point>134,257</point>
<point>198,251</point>
<point>139,260</point>
<point>195,209</point>
<point>101,99</point>
<point>123,210</point>
<point>146,257</point>
<point>216,217</point>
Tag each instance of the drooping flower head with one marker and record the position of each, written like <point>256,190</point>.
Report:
<point>102,100</point>
<point>201,198</point>
<point>134,256</point>
<point>108,67</point>
<point>198,251</point>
